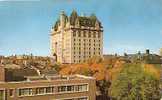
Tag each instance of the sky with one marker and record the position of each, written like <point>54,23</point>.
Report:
<point>129,25</point>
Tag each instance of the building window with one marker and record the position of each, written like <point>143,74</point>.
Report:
<point>84,34</point>
<point>89,35</point>
<point>11,92</point>
<point>99,35</point>
<point>70,88</point>
<point>81,88</point>
<point>49,89</point>
<point>94,35</point>
<point>40,90</point>
<point>73,88</point>
<point>2,95</point>
<point>62,89</point>
<point>25,92</point>
<point>79,34</point>
<point>74,34</point>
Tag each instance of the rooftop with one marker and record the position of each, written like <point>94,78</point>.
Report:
<point>75,19</point>
<point>57,77</point>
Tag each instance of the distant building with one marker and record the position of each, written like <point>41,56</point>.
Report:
<point>75,87</point>
<point>76,39</point>
<point>161,52</point>
<point>26,60</point>
<point>146,57</point>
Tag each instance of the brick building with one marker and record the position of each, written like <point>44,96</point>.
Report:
<point>75,87</point>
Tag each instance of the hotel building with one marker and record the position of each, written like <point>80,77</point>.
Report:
<point>76,39</point>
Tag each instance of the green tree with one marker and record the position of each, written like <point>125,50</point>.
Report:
<point>56,67</point>
<point>103,85</point>
<point>133,83</point>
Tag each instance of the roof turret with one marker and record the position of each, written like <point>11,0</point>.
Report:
<point>73,17</point>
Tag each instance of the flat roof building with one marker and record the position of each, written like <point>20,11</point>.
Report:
<point>74,87</point>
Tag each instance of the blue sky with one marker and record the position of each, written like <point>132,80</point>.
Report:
<point>129,25</point>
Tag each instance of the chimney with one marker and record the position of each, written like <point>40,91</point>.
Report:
<point>147,51</point>
<point>2,73</point>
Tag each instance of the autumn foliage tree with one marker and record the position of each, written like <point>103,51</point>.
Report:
<point>119,78</point>
<point>135,82</point>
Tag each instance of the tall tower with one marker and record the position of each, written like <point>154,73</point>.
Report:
<point>76,39</point>
<point>62,19</point>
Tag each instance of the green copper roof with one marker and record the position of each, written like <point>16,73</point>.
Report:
<point>56,25</point>
<point>73,17</point>
<point>89,21</point>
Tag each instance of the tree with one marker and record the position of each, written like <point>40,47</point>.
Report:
<point>95,59</point>
<point>56,67</point>
<point>103,85</point>
<point>133,83</point>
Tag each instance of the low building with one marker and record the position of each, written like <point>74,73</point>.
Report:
<point>57,87</point>
<point>147,57</point>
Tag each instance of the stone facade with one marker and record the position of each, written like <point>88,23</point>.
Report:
<point>76,39</point>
